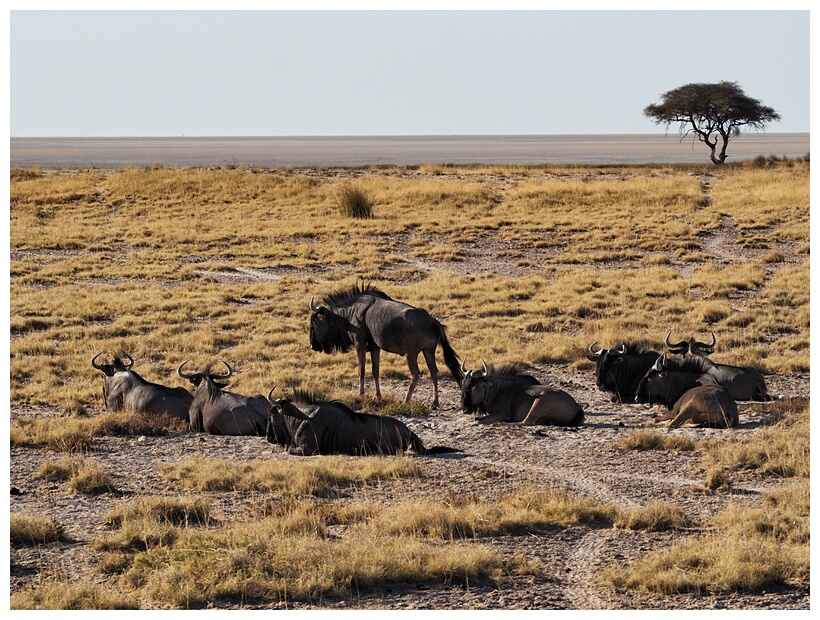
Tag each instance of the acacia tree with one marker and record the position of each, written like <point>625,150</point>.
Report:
<point>714,113</point>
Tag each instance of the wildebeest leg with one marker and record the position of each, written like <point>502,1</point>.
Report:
<point>430,358</point>
<point>666,416</point>
<point>362,353</point>
<point>494,417</point>
<point>534,415</point>
<point>413,365</point>
<point>375,354</point>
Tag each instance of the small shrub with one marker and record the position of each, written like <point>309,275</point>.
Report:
<point>353,202</point>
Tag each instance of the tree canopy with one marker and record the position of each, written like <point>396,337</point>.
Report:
<point>712,112</point>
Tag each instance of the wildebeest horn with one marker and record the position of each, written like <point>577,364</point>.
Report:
<point>130,360</point>
<point>674,346</point>
<point>464,366</point>
<point>659,364</point>
<point>94,361</point>
<point>704,345</point>
<point>484,365</point>
<point>270,400</point>
<point>592,352</point>
<point>184,375</point>
<point>622,350</point>
<point>312,307</point>
<point>230,372</point>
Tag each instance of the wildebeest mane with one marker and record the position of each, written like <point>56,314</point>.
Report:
<point>688,365</point>
<point>308,397</point>
<point>214,388</point>
<point>515,370</point>
<point>341,296</point>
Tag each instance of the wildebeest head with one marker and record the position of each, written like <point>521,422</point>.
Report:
<point>668,379</point>
<point>691,346</point>
<point>474,387</point>
<point>490,389</point>
<point>208,375</point>
<point>328,331</point>
<point>605,362</point>
<point>117,365</point>
<point>113,396</point>
<point>277,430</point>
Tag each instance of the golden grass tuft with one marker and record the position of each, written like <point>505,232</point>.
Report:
<point>353,202</point>
<point>34,529</point>
<point>657,516</point>
<point>84,475</point>
<point>644,439</point>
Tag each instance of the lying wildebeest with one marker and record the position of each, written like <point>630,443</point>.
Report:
<point>218,412</point>
<point>510,395</point>
<point>620,370</point>
<point>366,318</point>
<point>692,396</point>
<point>742,382</point>
<point>124,389</point>
<point>308,425</point>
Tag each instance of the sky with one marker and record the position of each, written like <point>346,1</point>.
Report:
<point>408,72</point>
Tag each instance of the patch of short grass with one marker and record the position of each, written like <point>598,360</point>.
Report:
<point>310,477</point>
<point>34,529</point>
<point>66,595</point>
<point>647,439</point>
<point>781,449</point>
<point>84,475</point>
<point>657,516</point>
<point>76,434</point>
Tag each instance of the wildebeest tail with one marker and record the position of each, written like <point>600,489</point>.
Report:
<point>418,447</point>
<point>450,357</point>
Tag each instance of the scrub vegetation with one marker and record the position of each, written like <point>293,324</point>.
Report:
<point>521,264</point>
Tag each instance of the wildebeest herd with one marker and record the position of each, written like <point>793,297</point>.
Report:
<point>695,390</point>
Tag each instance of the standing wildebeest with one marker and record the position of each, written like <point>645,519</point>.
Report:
<point>509,395</point>
<point>692,396</point>
<point>217,412</point>
<point>367,319</point>
<point>124,389</point>
<point>620,370</point>
<point>742,382</point>
<point>319,426</point>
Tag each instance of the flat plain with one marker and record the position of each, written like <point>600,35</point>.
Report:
<point>527,264</point>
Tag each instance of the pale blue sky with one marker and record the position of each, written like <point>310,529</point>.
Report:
<point>270,73</point>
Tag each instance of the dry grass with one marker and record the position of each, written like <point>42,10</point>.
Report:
<point>143,260</point>
<point>644,439</point>
<point>313,477</point>
<point>287,552</point>
<point>83,475</point>
<point>745,549</point>
<point>34,529</point>
<point>172,265</point>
